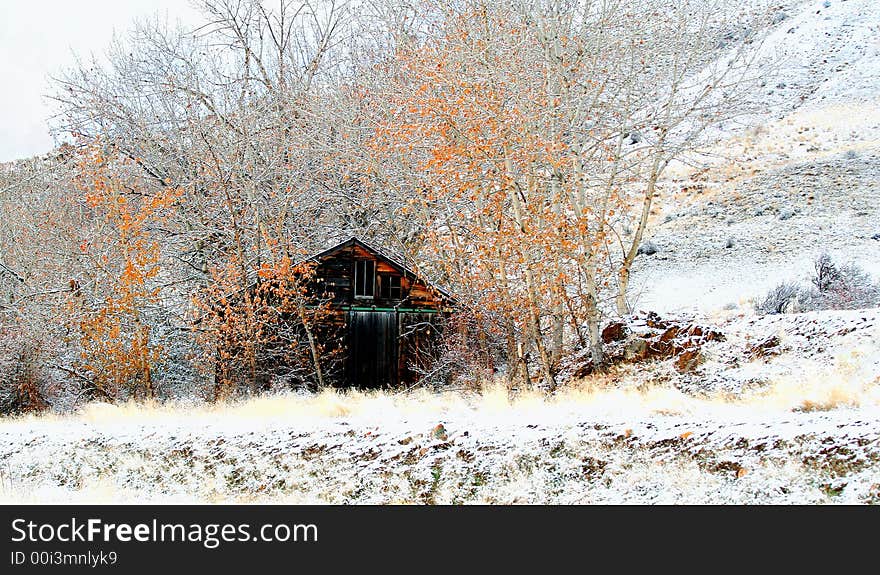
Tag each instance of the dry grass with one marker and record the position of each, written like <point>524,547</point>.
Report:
<point>851,381</point>
<point>848,383</point>
<point>809,393</point>
<point>526,447</point>
<point>814,133</point>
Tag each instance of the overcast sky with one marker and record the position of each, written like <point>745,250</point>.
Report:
<point>38,39</point>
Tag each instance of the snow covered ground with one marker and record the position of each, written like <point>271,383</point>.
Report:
<point>609,446</point>
<point>777,220</point>
<point>794,421</point>
<point>800,178</point>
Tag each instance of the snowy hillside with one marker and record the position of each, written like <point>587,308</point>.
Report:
<point>799,179</point>
<point>830,54</point>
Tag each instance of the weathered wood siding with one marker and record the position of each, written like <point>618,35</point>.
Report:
<point>334,280</point>
<point>386,341</point>
<point>372,349</point>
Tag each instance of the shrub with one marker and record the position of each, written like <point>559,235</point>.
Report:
<point>22,385</point>
<point>825,273</point>
<point>849,288</point>
<point>465,354</point>
<point>832,286</point>
<point>648,248</point>
<point>780,299</point>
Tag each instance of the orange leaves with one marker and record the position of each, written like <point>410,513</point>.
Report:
<point>114,335</point>
<point>248,314</point>
<point>502,152</point>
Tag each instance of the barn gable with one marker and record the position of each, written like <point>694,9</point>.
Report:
<point>386,317</point>
<point>355,275</point>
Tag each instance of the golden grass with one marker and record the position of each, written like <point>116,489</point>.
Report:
<point>623,391</point>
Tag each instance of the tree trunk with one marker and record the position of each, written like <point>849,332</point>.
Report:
<point>316,359</point>
<point>630,256</point>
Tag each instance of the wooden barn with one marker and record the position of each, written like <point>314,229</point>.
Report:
<point>388,317</point>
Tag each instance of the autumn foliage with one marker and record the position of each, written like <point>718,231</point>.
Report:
<point>253,326</point>
<point>112,329</point>
<point>512,152</point>
<point>486,124</point>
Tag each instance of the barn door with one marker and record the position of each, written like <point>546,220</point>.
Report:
<point>372,348</point>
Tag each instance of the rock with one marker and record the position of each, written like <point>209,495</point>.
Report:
<point>786,213</point>
<point>648,336</point>
<point>632,138</point>
<point>688,360</point>
<point>653,320</point>
<point>648,248</point>
<point>636,349</point>
<point>669,334</point>
<point>614,331</point>
<point>769,346</point>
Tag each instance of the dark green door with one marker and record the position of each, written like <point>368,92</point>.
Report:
<point>372,348</point>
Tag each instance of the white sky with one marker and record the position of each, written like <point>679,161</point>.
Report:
<point>38,38</point>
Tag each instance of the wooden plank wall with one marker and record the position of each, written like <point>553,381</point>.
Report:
<point>372,349</point>
<point>379,346</point>
<point>335,280</point>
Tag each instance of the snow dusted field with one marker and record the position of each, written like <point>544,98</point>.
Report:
<point>797,423</point>
<point>611,446</point>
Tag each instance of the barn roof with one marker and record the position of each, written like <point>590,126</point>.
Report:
<point>354,241</point>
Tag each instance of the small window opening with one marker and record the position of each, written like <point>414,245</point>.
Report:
<point>390,286</point>
<point>364,278</point>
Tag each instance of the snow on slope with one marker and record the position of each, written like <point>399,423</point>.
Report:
<point>803,179</point>
<point>726,245</point>
<point>825,53</point>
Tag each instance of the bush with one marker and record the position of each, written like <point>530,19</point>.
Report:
<point>463,357</point>
<point>786,213</point>
<point>844,287</point>
<point>648,248</point>
<point>832,286</point>
<point>780,299</point>
<point>22,385</point>
<point>825,273</point>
